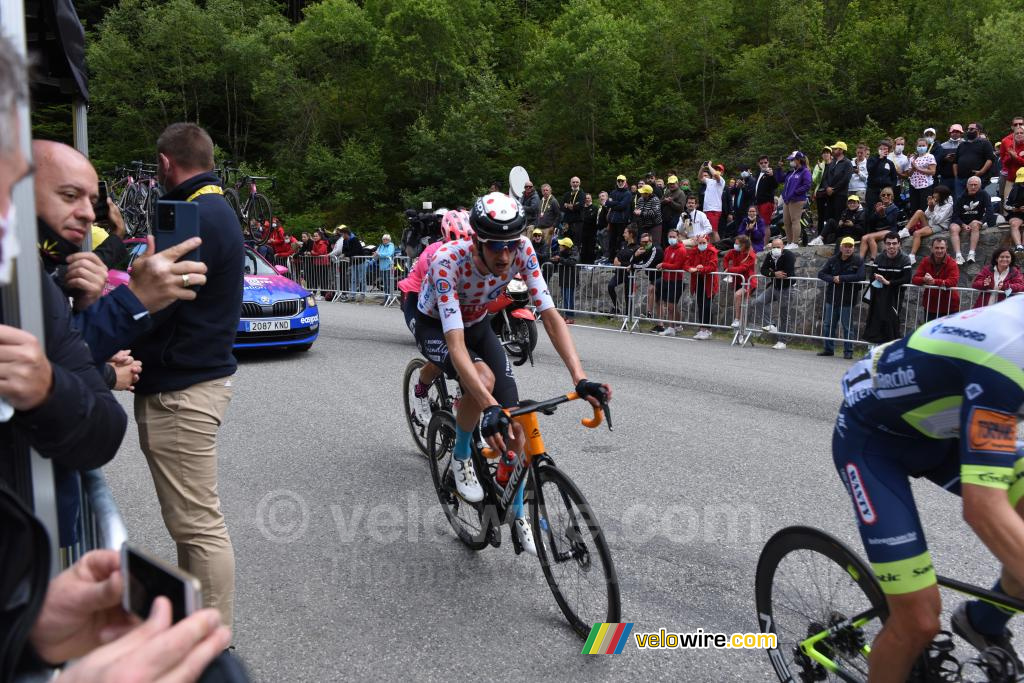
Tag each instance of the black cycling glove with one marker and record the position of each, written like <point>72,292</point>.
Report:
<point>585,388</point>
<point>494,421</point>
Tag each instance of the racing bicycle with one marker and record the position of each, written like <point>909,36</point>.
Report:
<point>825,606</point>
<point>255,214</point>
<point>136,191</point>
<point>571,546</point>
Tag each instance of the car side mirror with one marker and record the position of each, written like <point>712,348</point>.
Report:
<point>281,270</point>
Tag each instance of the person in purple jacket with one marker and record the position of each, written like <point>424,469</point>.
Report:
<point>794,196</point>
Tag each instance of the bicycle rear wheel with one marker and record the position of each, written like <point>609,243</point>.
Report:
<point>438,398</point>
<point>465,518</point>
<point>572,551</point>
<point>807,582</point>
<point>153,195</point>
<point>231,195</point>
<point>260,211</point>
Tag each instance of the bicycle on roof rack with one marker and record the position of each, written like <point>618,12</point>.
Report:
<point>255,213</point>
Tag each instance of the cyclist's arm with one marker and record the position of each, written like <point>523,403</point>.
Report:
<point>988,512</point>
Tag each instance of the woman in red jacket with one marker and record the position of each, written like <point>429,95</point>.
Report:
<point>670,283</point>
<point>741,260</point>
<point>999,275</point>
<point>702,262</point>
<point>321,263</point>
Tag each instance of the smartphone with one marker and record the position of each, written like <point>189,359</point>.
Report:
<point>146,578</point>
<point>175,223</point>
<point>100,208</point>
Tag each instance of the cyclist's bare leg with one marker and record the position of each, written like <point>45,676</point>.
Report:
<point>428,373</point>
<point>913,622</point>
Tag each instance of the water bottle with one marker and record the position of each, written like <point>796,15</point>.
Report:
<point>505,467</point>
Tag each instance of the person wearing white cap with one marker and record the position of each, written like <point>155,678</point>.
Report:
<point>945,155</point>
<point>929,136</point>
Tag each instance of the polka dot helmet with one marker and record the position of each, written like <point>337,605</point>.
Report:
<point>497,216</point>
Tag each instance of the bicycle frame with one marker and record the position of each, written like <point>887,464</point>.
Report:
<point>534,452</point>
<point>808,645</point>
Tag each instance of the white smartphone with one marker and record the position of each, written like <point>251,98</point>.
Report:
<point>146,578</point>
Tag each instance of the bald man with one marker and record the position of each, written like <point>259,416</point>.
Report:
<point>573,203</point>
<point>66,187</point>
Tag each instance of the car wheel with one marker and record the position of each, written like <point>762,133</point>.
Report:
<point>303,347</point>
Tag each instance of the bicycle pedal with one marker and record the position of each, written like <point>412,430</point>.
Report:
<point>494,537</point>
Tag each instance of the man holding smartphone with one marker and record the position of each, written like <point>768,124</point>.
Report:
<point>185,389</point>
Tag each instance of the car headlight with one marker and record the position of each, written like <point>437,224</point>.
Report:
<point>516,286</point>
<point>310,301</point>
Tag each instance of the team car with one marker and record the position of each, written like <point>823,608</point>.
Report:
<point>276,312</point>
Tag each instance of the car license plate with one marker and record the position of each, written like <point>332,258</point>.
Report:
<point>269,325</point>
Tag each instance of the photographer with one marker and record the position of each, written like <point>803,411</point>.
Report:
<point>850,223</point>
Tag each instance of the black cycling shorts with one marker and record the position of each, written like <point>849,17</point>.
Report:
<point>483,346</point>
<point>409,310</point>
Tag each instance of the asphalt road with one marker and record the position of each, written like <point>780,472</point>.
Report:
<point>345,565</point>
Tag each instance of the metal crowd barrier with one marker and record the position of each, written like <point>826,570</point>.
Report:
<point>927,302</point>
<point>807,308</point>
<point>339,279</point>
<point>694,308</point>
<point>99,523</point>
<point>592,293</point>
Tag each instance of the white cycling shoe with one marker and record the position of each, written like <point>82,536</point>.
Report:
<point>524,531</point>
<point>466,482</point>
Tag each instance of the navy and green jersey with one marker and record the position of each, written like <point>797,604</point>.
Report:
<point>942,403</point>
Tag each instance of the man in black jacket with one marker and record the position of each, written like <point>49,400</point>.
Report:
<point>836,179</point>
<point>779,265</point>
<point>589,230</point>
<point>572,210</point>
<point>620,213</point>
<point>185,388</point>
<point>841,273</point>
<point>891,271</point>
<point>882,172</point>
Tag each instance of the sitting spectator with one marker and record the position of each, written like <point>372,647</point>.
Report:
<point>702,262</point>
<point>693,223</point>
<point>999,279</point>
<point>385,255</point>
<point>753,228</point>
<point>922,176</point>
<point>1015,209</point>
<point>892,270</point>
<point>779,265</point>
<point>933,220</point>
<point>623,259</point>
<point>647,258</point>
<point>741,263</point>
<point>648,214</point>
<point>971,212</point>
<point>841,272</point>
<point>849,224</point>
<point>880,223</point>
<point>670,284</point>
<point>568,276</point>
<point>937,272</point>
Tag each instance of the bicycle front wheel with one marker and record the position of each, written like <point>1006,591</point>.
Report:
<point>806,583</point>
<point>417,416</point>
<point>466,519</point>
<point>261,212</point>
<point>572,551</point>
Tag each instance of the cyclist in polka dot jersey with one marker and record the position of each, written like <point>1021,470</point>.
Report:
<point>463,277</point>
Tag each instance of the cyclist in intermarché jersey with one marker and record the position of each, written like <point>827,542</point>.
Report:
<point>944,404</point>
<point>462,278</point>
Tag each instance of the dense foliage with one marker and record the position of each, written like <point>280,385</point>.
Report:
<point>363,107</point>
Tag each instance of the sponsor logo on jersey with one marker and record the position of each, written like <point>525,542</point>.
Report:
<point>973,391</point>
<point>861,500</point>
<point>954,331</point>
<point>991,431</point>
<point>900,382</point>
<point>531,263</point>
<point>443,286</point>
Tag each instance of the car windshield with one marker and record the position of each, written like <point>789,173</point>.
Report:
<point>254,264</point>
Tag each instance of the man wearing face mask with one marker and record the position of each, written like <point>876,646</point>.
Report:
<point>701,262</point>
<point>946,157</point>
<point>779,265</point>
<point>974,157</point>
